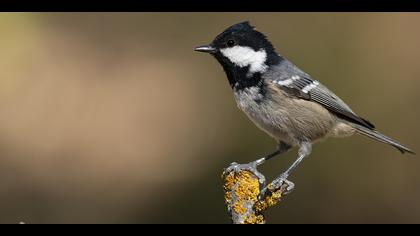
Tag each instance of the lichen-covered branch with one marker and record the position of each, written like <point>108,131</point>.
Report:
<point>242,193</point>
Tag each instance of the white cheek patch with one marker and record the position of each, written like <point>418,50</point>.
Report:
<point>246,56</point>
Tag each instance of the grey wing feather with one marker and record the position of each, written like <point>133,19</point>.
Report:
<point>322,90</point>
<point>292,80</point>
<point>332,102</point>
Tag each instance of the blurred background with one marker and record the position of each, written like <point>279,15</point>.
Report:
<point>113,118</point>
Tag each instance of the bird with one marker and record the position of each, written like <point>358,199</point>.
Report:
<point>283,100</point>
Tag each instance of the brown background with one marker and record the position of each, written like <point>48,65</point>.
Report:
<point>112,118</point>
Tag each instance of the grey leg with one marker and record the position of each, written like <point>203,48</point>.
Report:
<point>281,148</point>
<point>304,150</point>
<point>252,166</point>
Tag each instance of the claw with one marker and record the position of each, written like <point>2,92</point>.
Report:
<point>277,184</point>
<point>251,167</point>
<point>290,186</point>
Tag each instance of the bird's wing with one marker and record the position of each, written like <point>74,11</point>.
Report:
<point>304,87</point>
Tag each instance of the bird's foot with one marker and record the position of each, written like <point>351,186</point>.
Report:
<point>277,184</point>
<point>251,167</point>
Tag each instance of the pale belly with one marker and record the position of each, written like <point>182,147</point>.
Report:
<point>289,120</point>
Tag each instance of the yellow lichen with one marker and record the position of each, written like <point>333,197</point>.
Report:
<point>260,219</point>
<point>255,219</point>
<point>248,186</point>
<point>229,179</point>
<point>239,208</point>
<point>252,219</point>
<point>243,186</point>
<point>241,190</point>
<point>269,201</point>
<point>229,183</point>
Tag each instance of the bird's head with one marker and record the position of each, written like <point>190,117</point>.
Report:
<point>242,51</point>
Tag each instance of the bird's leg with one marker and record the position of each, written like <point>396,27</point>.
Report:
<point>281,148</point>
<point>252,166</point>
<point>304,150</point>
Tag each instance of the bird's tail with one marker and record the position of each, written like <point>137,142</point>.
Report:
<point>373,134</point>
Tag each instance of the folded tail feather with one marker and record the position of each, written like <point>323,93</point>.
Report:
<point>373,134</point>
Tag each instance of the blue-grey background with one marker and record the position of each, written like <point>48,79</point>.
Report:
<point>112,118</point>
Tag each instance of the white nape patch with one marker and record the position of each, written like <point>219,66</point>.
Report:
<point>287,82</point>
<point>310,86</point>
<point>246,56</point>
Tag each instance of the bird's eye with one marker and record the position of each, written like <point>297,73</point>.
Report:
<point>230,43</point>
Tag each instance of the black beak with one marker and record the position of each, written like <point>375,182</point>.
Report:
<point>205,48</point>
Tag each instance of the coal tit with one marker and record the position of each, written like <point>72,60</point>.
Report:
<point>281,99</point>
